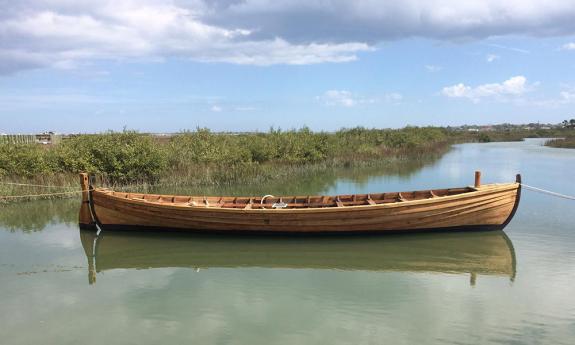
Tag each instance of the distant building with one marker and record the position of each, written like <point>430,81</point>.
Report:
<point>46,138</point>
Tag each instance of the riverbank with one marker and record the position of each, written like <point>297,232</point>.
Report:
<point>135,161</point>
<point>567,143</point>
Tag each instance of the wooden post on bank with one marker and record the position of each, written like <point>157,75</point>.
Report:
<point>85,219</point>
<point>477,179</point>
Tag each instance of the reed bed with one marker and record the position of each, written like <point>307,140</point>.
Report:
<point>567,143</point>
<point>130,160</point>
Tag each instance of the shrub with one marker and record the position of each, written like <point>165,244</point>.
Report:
<point>129,157</point>
<point>25,160</point>
<point>484,138</point>
<point>121,157</point>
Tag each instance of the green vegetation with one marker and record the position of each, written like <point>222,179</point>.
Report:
<point>297,146</point>
<point>483,138</point>
<point>567,143</point>
<point>203,158</point>
<point>123,157</point>
<point>569,124</point>
<point>506,135</point>
<point>568,136</point>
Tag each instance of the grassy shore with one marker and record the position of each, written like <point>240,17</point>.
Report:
<point>508,135</point>
<point>568,143</point>
<point>200,157</point>
<point>130,160</point>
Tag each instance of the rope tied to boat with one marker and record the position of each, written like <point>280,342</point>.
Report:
<point>3,197</point>
<point>33,185</point>
<point>548,192</point>
<point>40,195</point>
<point>278,205</point>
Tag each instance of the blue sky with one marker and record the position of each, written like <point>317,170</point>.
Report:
<point>164,66</point>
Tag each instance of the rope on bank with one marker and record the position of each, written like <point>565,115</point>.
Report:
<point>23,196</point>
<point>119,186</point>
<point>32,185</point>
<point>39,195</point>
<point>548,192</point>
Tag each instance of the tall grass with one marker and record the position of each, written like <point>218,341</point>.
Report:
<point>566,143</point>
<point>509,135</point>
<point>202,157</point>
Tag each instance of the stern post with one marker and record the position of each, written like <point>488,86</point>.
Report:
<point>86,221</point>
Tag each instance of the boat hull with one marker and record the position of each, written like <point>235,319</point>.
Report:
<point>488,207</point>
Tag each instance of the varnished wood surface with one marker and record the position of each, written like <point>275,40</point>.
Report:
<point>488,205</point>
<point>85,218</point>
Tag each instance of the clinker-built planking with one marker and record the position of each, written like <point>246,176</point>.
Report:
<point>489,206</point>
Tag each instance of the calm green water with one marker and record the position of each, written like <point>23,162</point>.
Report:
<point>62,286</point>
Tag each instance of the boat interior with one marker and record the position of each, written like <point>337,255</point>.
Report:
<point>289,202</point>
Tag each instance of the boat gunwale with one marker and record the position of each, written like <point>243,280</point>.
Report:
<point>475,192</point>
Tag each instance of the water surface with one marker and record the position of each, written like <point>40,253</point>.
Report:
<point>59,285</point>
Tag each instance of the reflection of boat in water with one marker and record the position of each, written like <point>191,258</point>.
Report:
<point>488,253</point>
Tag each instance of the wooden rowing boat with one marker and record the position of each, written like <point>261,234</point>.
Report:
<point>488,206</point>
<point>476,253</point>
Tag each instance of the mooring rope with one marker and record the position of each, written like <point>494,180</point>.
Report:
<point>146,185</point>
<point>4,197</point>
<point>38,195</point>
<point>548,192</point>
<point>33,185</point>
<point>535,189</point>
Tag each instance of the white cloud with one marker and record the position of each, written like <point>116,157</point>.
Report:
<point>69,34</point>
<point>393,97</point>
<point>433,68</point>
<point>511,90</point>
<point>512,87</point>
<point>513,49</point>
<point>568,46</point>
<point>347,99</point>
<point>491,57</point>
<point>245,108</point>
<point>339,98</point>
<point>458,90</point>
<point>216,108</point>
<point>64,35</point>
<point>377,20</point>
<point>566,97</point>
<point>280,51</point>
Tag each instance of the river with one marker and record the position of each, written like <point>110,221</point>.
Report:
<point>59,285</point>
